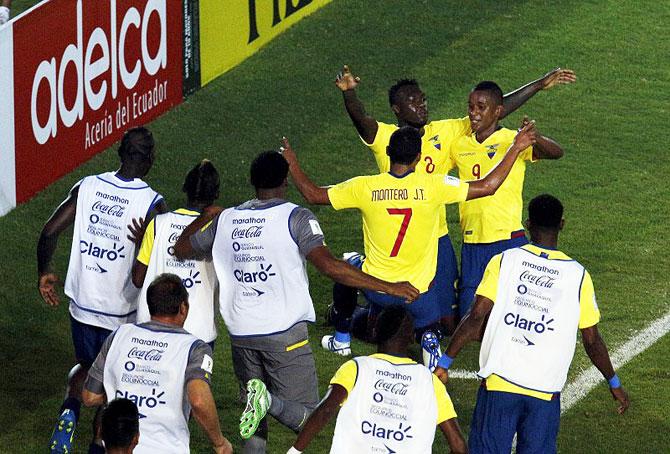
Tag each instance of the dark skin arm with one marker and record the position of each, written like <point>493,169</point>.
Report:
<point>545,147</point>
<point>515,99</point>
<point>182,248</point>
<point>139,273</point>
<point>468,330</point>
<point>597,351</point>
<point>138,226</point>
<point>316,195</point>
<point>452,432</point>
<point>327,409</point>
<point>340,271</point>
<point>365,124</point>
<point>62,218</point>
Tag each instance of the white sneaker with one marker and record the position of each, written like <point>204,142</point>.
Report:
<point>341,348</point>
<point>430,347</point>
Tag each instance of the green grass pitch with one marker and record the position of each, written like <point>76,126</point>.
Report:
<point>613,124</point>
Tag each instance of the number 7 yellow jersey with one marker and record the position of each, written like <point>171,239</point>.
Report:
<point>401,221</point>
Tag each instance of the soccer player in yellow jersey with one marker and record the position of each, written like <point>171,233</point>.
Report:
<point>401,212</point>
<point>493,224</point>
<point>383,393</point>
<point>409,104</point>
<point>529,306</point>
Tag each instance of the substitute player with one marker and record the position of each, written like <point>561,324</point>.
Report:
<point>530,304</point>
<point>401,214</point>
<point>409,105</point>
<point>389,402</point>
<point>492,224</point>
<point>98,283</point>
<point>156,255</point>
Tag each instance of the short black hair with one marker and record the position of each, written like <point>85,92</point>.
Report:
<point>394,91</point>
<point>202,182</point>
<point>137,144</point>
<point>545,211</point>
<point>120,423</point>
<point>268,170</point>
<point>390,321</point>
<point>493,90</point>
<point>405,145</point>
<point>165,294</point>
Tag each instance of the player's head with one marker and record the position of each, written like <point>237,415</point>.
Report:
<point>409,103</point>
<point>485,106</point>
<point>137,151</point>
<point>404,146</point>
<point>167,297</point>
<point>202,184</point>
<point>120,426</point>
<point>269,170</point>
<point>545,214</point>
<point>395,327</point>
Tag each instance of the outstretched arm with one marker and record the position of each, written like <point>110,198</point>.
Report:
<point>488,185</point>
<point>452,432</point>
<point>364,123</point>
<point>515,99</point>
<point>597,350</point>
<point>183,249</point>
<point>62,218</point>
<point>204,411</point>
<point>328,408</point>
<point>342,272</point>
<point>311,192</point>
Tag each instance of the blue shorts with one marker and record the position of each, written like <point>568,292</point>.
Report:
<point>499,415</point>
<point>87,340</point>
<point>425,309</point>
<point>474,258</point>
<point>446,276</point>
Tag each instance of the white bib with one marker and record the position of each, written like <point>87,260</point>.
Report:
<point>148,367</point>
<point>531,332</point>
<point>259,264</point>
<point>392,408</point>
<point>198,277</point>
<point>98,277</point>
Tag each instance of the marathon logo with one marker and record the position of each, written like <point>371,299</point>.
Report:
<point>541,268</point>
<point>112,197</point>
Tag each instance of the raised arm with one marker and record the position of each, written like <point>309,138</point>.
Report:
<point>488,185</point>
<point>204,411</point>
<point>328,408</point>
<point>597,350</point>
<point>311,192</point>
<point>62,218</point>
<point>515,99</point>
<point>364,123</point>
<point>343,273</point>
<point>183,249</point>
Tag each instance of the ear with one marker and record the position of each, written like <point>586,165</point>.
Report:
<point>135,441</point>
<point>560,226</point>
<point>500,111</point>
<point>526,224</point>
<point>387,151</point>
<point>395,109</point>
<point>183,309</point>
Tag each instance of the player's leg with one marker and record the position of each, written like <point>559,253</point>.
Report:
<point>248,368</point>
<point>494,421</point>
<point>538,427</point>
<point>446,276</point>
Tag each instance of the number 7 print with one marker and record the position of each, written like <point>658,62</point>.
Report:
<point>407,216</point>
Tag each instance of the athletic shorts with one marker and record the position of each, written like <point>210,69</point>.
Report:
<point>474,258</point>
<point>499,415</point>
<point>87,341</point>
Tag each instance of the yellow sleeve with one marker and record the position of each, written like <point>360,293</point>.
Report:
<point>488,287</point>
<point>450,189</point>
<point>461,126</point>
<point>345,194</point>
<point>346,375</point>
<point>378,147</point>
<point>527,155</point>
<point>445,407</point>
<point>147,246</point>
<point>589,314</point>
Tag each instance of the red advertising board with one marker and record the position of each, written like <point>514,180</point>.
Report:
<point>84,72</point>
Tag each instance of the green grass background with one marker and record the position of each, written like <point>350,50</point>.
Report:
<point>613,181</point>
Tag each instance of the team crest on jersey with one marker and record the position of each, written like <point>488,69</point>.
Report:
<point>435,140</point>
<point>492,150</point>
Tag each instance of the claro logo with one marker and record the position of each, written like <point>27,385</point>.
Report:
<point>106,69</point>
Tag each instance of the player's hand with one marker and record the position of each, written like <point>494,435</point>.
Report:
<point>288,152</point>
<point>225,448</point>
<point>345,80</point>
<point>621,396</point>
<point>46,284</point>
<point>526,136</point>
<point>558,76</point>
<point>137,228</point>
<point>442,374</point>
<point>404,290</point>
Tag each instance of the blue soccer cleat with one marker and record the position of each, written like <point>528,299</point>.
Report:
<point>61,439</point>
<point>430,347</point>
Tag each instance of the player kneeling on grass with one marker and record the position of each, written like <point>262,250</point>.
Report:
<point>388,402</point>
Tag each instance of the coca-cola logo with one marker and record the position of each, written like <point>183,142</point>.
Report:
<point>174,237</point>
<point>254,231</point>
<point>153,354</point>
<point>393,387</point>
<point>541,280</point>
<point>110,210</point>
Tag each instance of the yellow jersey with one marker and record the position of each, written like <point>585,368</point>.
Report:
<point>400,221</point>
<point>435,145</point>
<point>493,218</point>
<point>589,314</point>
<point>147,246</point>
<point>347,373</point>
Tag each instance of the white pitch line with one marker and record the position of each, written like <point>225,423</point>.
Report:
<point>463,374</point>
<point>591,377</point>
